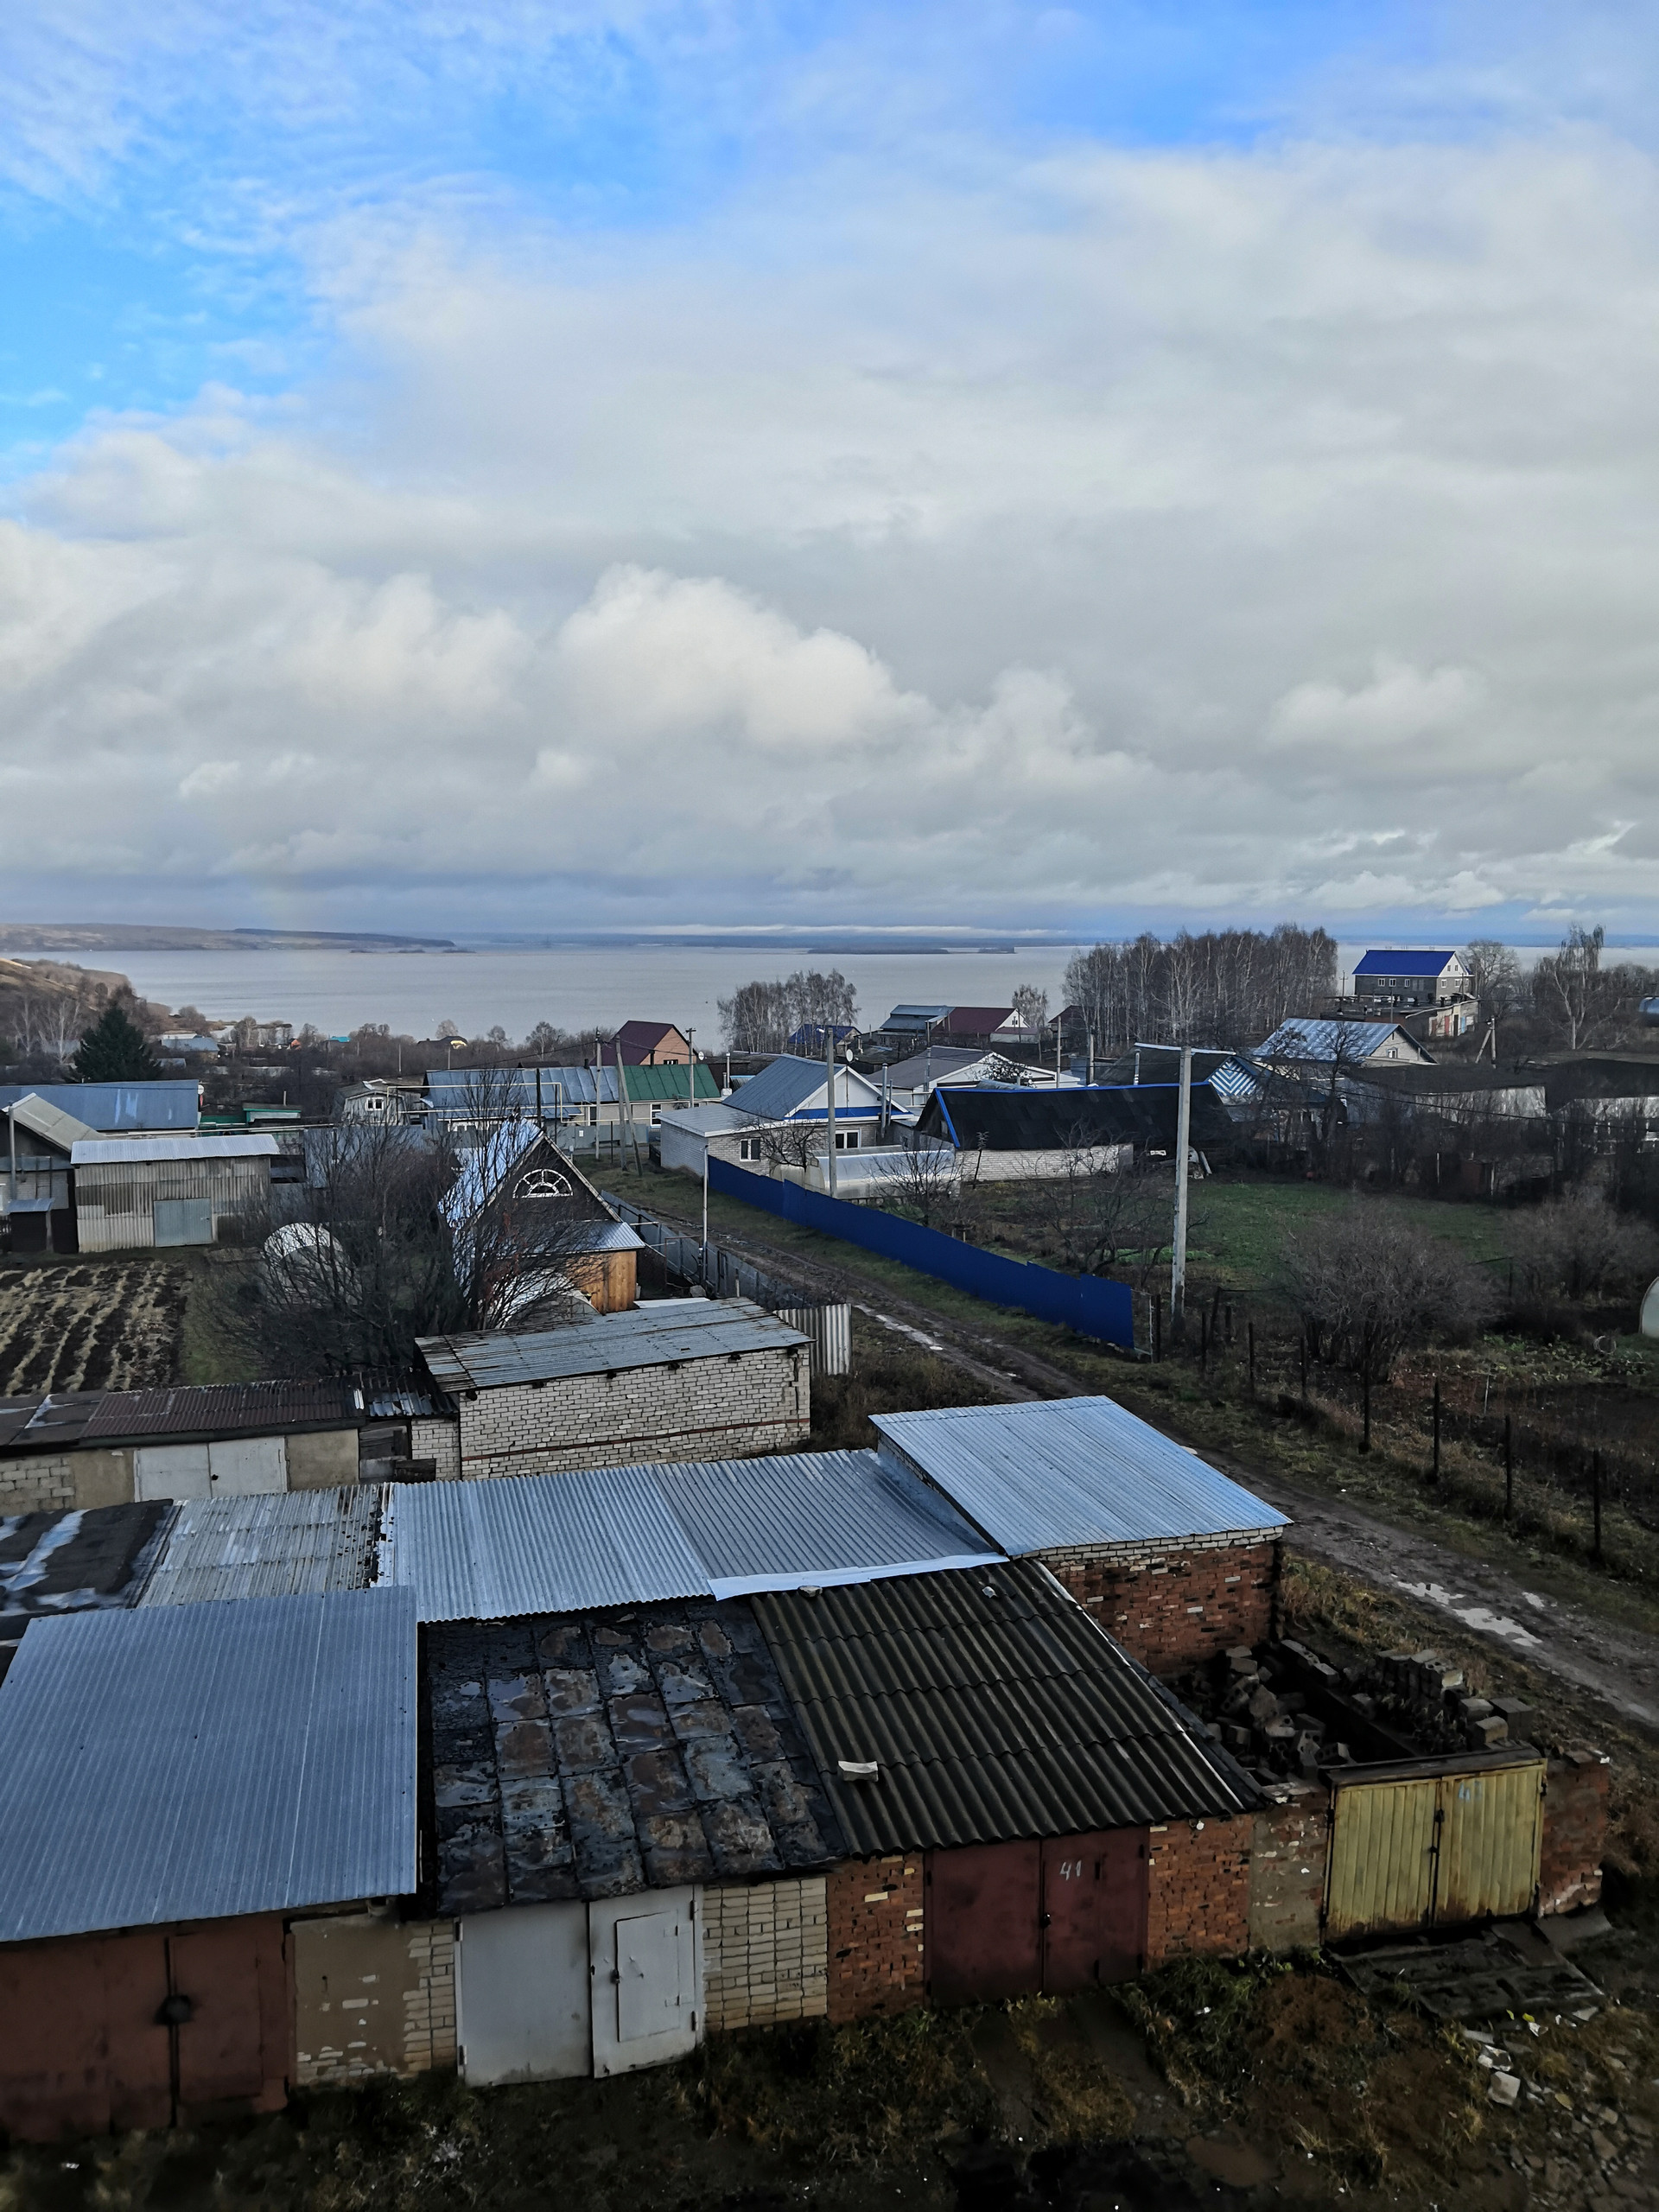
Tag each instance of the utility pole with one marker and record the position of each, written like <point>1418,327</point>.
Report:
<point>1177,1257</point>
<point>690,1067</point>
<point>830,1094</point>
<point>703,1256</point>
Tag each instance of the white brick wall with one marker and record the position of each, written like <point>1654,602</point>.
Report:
<point>712,1409</point>
<point>386,2005</point>
<point>440,1440</point>
<point>766,1953</point>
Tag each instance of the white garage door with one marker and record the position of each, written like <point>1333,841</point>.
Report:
<point>522,1994</point>
<point>647,1976</point>
<point>171,1470</point>
<point>248,1466</point>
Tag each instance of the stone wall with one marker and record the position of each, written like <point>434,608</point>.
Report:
<point>1288,1864</point>
<point>1577,1786</point>
<point>1176,1606</point>
<point>875,1936</point>
<point>1198,1889</point>
<point>710,1408</point>
<point>371,1996</point>
<point>54,1481</point>
<point>766,1953</point>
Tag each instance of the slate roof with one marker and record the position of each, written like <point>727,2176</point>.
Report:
<point>994,1708</point>
<point>62,1419</point>
<point>596,1755</point>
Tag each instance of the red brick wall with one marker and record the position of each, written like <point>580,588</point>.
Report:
<point>1198,1899</point>
<point>875,1936</point>
<point>1576,1791</point>
<point>1179,1608</point>
<point>1288,1864</point>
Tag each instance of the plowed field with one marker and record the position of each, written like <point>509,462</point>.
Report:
<point>90,1325</point>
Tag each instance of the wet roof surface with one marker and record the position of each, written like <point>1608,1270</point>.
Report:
<point>282,1545</point>
<point>594,1754</point>
<point>53,1563</point>
<point>994,1708</point>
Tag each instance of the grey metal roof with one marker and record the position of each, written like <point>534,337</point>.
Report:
<point>813,1516</point>
<point>1068,1471</point>
<point>628,1535</point>
<point>111,1152</point>
<point>591,1756</point>
<point>537,1544</point>
<point>785,1085</point>
<point>994,1708</point>
<point>1321,1041</point>
<point>111,1106</point>
<point>280,1546</point>
<point>193,1762</point>
<point>42,1119</point>
<point>646,1335</point>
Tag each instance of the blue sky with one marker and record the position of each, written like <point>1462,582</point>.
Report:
<point>1230,419</point>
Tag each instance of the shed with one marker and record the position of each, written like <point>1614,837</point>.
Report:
<point>982,1723</point>
<point>1174,1561</point>
<point>666,1381</point>
<point>117,1109</point>
<point>135,1192</point>
<point>1022,1132</point>
<point>174,1782</point>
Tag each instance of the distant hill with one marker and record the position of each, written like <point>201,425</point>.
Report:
<point>155,937</point>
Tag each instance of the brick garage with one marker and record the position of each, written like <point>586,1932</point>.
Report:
<point>1198,1890</point>
<point>765,1953</point>
<point>1577,1788</point>
<point>371,1995</point>
<point>876,1925</point>
<point>1175,1606</point>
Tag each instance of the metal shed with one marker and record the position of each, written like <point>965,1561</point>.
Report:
<point>134,1192</point>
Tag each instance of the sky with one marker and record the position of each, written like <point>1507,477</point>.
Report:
<point>538,464</point>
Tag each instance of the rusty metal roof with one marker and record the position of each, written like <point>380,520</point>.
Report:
<point>597,1754</point>
<point>195,1762</point>
<point>994,1709</point>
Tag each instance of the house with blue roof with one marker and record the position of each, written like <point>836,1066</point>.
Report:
<point>1407,980</point>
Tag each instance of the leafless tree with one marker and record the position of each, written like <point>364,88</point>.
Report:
<point>1223,987</point>
<point>762,1017</point>
<point>922,1181</point>
<point>1579,1245</point>
<point>1031,1004</point>
<point>785,1144</point>
<point>1095,1214</point>
<point>1495,977</point>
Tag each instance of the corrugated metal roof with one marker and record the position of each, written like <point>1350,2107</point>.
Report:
<point>537,1544</point>
<point>1068,1471</point>
<point>646,1335</point>
<point>43,1119</point>
<point>785,1087</point>
<point>1321,1041</point>
<point>193,1762</point>
<point>284,1546</point>
<point>813,1516</point>
<point>113,1106</point>
<point>109,1152</point>
<point>629,1535</point>
<point>991,1717</point>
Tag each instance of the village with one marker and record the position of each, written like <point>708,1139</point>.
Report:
<point>812,1620</point>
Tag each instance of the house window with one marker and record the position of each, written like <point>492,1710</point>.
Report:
<point>656,1116</point>
<point>748,1148</point>
<point>846,1139</point>
<point>542,1183</point>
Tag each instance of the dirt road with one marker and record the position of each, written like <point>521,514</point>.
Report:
<point>1618,1665</point>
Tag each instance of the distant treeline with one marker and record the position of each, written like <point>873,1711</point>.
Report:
<point>1226,986</point>
<point>762,1017</point>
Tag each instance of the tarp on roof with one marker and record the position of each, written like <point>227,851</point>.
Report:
<point>625,1535</point>
<point>111,1107</point>
<point>992,1118</point>
<point>50,1122</point>
<point>194,1762</point>
<point>994,1708</point>
<point>1402,963</point>
<point>1065,1472</point>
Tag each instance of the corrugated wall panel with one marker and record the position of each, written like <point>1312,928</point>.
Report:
<point>1490,1836</point>
<point>1381,1857</point>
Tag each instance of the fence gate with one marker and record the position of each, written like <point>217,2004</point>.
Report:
<point>1430,1843</point>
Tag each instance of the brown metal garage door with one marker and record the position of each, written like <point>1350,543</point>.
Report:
<point>1018,1919</point>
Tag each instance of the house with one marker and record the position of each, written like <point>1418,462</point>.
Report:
<point>76,1449</point>
<point>667,1381</point>
<point>1409,980</point>
<point>789,1092</point>
<point>544,1221</point>
<point>815,1037</point>
<point>183,1789</point>
<point>39,1126</point>
<point>1177,1563</point>
<point>989,1025</point>
<point>387,1099</point>
<point>581,1097</point>
<point>1014,1134</point>
<point>646,1043</point>
<point>913,1024</point>
<point>1306,1041</point>
<point>908,1082</point>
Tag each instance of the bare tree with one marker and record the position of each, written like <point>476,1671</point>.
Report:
<point>1229,986</point>
<point>1495,977</point>
<point>762,1017</point>
<point>1094,1213</point>
<point>1579,1244</point>
<point>1031,1004</point>
<point>921,1181</point>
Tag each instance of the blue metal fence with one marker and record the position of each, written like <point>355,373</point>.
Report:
<point>1085,1303</point>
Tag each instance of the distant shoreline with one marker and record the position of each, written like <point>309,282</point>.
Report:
<point>144,937</point>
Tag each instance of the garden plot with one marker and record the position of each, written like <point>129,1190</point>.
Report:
<point>90,1325</point>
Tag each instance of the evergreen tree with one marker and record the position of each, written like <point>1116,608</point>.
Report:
<point>113,1051</point>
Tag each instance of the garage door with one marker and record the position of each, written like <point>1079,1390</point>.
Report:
<point>522,1993</point>
<point>647,1975</point>
<point>1094,1914</point>
<point>981,1939</point>
<point>1417,1849</point>
<point>184,1221</point>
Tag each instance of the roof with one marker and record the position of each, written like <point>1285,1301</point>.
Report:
<point>290,1543</point>
<point>562,1087</point>
<point>66,1418</point>
<point>620,1535</point>
<point>994,1708</point>
<point>785,1085</point>
<point>980,1020</point>
<point>42,1119</point>
<point>944,1061</point>
<point>115,1106</point>
<point>1009,1118</point>
<point>1399,962</point>
<point>57,1563</point>
<point>645,1036</point>
<point>193,1762</point>
<point>1319,1040</point>
<point>914,1017</point>
<point>1054,1474</point>
<point>644,1336</point>
<point>598,1755</point>
<point>108,1152</point>
<point>1228,1074</point>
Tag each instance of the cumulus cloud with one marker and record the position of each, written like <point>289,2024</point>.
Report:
<point>1212,532</point>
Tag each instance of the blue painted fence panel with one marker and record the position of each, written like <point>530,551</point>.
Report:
<point>1085,1303</point>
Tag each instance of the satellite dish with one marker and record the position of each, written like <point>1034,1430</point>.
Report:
<point>1650,1310</point>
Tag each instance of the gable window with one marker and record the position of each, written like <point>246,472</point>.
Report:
<point>542,1183</point>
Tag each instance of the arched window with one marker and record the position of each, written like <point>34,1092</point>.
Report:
<point>542,1183</point>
